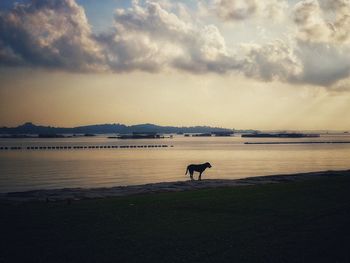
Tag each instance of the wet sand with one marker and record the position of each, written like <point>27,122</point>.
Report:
<point>90,193</point>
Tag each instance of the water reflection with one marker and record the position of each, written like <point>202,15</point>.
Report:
<point>36,169</point>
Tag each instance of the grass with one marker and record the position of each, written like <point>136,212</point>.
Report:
<point>290,222</point>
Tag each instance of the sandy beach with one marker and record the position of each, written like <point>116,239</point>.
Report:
<point>179,186</point>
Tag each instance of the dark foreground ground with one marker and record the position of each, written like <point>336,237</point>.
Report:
<point>302,221</point>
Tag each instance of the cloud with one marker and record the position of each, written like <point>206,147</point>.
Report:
<point>326,21</point>
<point>323,34</point>
<point>342,86</point>
<point>8,57</point>
<point>149,37</point>
<point>236,10</point>
<point>56,34</point>
<point>48,33</point>
<point>154,36</point>
<point>323,64</point>
<point>274,60</point>
<point>308,18</point>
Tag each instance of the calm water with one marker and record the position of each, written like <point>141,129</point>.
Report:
<point>37,169</point>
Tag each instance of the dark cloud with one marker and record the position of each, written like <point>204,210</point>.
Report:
<point>323,64</point>
<point>48,33</point>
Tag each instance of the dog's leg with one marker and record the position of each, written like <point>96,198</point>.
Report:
<point>200,176</point>
<point>191,175</point>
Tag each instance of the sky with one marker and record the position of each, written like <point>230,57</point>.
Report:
<point>244,64</point>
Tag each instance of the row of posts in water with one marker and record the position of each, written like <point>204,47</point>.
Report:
<point>81,147</point>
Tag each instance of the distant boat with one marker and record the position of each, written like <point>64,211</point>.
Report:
<point>89,135</point>
<point>202,135</point>
<point>149,135</point>
<point>51,136</point>
<point>223,134</point>
<point>280,135</point>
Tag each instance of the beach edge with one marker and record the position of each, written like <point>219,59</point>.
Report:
<point>51,195</point>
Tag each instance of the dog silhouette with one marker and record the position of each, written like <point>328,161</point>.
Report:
<point>200,168</point>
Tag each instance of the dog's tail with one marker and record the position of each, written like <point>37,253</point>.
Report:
<point>186,171</point>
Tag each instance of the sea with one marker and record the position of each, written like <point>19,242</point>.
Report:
<point>141,161</point>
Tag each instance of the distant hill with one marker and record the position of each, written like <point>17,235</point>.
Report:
<point>30,128</point>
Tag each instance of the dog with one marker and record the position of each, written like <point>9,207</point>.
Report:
<point>197,168</point>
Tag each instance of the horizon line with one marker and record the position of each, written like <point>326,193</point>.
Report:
<point>168,125</point>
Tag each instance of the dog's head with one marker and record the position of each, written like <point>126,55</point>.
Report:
<point>208,165</point>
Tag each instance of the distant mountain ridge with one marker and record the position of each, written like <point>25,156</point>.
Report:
<point>30,128</point>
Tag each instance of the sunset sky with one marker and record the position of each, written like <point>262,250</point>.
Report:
<point>272,64</point>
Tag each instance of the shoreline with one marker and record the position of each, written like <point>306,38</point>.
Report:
<point>70,194</point>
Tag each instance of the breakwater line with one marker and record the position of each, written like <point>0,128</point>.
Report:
<point>85,147</point>
<point>309,142</point>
